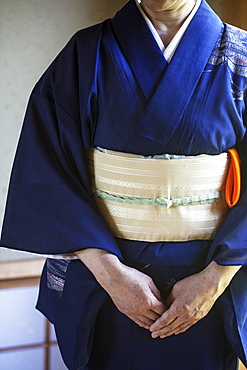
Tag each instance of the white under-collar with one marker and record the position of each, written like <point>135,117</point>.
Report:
<point>171,48</point>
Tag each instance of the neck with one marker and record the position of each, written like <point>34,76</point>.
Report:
<point>167,22</point>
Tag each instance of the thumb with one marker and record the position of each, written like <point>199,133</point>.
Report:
<point>159,305</point>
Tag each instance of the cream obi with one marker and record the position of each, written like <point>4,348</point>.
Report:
<point>159,200</point>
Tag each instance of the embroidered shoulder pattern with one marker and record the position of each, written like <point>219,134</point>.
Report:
<point>231,49</point>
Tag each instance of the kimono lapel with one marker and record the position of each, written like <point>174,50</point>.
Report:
<point>178,80</point>
<point>139,47</point>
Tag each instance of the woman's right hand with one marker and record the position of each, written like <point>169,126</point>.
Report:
<point>133,292</point>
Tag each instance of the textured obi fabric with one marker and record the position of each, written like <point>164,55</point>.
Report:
<point>150,199</point>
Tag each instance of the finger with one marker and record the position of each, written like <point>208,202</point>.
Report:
<point>159,302</point>
<point>146,320</point>
<point>147,314</point>
<point>164,332</point>
<point>141,321</point>
<point>178,331</point>
<point>158,308</point>
<point>166,319</point>
<point>152,315</point>
<point>183,329</point>
<point>149,317</point>
<point>176,327</point>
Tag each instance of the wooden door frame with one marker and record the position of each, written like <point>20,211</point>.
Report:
<point>235,12</point>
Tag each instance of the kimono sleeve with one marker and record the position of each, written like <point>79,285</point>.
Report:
<point>49,207</point>
<point>230,248</point>
<point>230,244</point>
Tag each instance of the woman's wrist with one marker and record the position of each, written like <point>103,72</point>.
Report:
<point>221,275</point>
<point>104,265</point>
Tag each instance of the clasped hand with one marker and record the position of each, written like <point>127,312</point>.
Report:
<point>135,294</point>
<point>189,301</point>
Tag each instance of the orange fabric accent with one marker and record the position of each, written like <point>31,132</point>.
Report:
<point>233,181</point>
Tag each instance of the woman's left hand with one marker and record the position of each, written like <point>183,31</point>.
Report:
<point>192,298</point>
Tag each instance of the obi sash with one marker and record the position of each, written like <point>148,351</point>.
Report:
<point>150,199</point>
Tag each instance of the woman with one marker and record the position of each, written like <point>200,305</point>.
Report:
<point>160,77</point>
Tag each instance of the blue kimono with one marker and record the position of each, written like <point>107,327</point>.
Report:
<point>111,87</point>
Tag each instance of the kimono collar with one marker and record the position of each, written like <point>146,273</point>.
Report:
<point>168,88</point>
<point>170,49</point>
<point>139,46</point>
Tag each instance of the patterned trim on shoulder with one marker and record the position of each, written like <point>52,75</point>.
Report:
<point>231,49</point>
